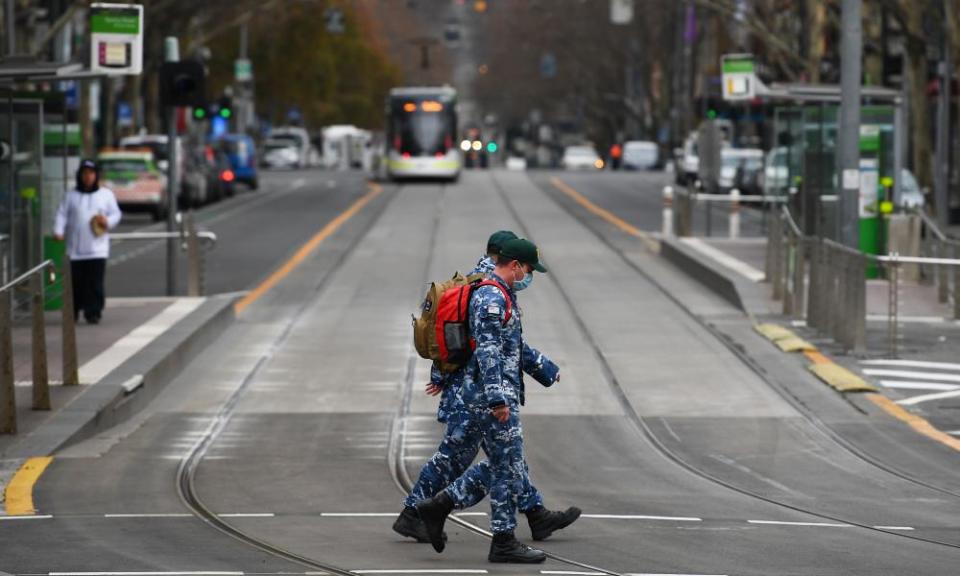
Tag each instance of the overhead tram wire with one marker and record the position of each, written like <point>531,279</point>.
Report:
<point>186,473</point>
<point>639,423</point>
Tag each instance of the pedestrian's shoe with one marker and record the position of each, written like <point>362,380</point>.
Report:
<point>433,513</point>
<point>408,524</point>
<point>506,549</point>
<point>544,522</point>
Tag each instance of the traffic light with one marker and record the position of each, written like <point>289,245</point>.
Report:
<point>226,107</point>
<point>182,83</point>
<point>492,147</point>
<point>200,113</point>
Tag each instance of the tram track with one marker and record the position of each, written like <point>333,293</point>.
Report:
<point>655,442</point>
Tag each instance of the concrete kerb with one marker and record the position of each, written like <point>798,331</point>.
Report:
<point>707,273</point>
<point>110,402</point>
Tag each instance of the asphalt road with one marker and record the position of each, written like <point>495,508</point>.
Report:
<point>302,424</point>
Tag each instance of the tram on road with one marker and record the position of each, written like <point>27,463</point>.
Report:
<point>421,133</point>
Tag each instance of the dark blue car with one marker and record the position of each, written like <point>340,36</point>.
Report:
<point>242,153</point>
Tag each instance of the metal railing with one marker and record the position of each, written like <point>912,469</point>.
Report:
<point>679,206</point>
<point>33,279</point>
<point>193,241</point>
<point>833,296</point>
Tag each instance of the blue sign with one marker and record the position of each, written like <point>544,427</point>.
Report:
<point>124,114</point>
<point>548,65</point>
<point>219,126</point>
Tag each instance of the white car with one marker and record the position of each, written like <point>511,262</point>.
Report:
<point>299,140</point>
<point>581,158</point>
<point>640,155</point>
<point>748,162</point>
<point>280,154</point>
<point>911,196</point>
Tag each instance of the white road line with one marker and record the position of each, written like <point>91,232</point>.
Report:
<point>149,515</point>
<point>641,517</point>
<point>138,339</point>
<point>785,523</point>
<point>905,385</point>
<point>928,397</point>
<point>910,375</point>
<point>28,517</point>
<point>893,527</point>
<point>913,364</point>
<point>198,573</point>
<point>359,514</point>
<point>248,515</point>
<point>737,265</point>
<point>422,571</point>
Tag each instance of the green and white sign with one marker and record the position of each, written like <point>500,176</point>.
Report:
<point>242,70</point>
<point>739,77</point>
<point>116,39</point>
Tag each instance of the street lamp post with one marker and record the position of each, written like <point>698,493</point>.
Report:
<point>849,137</point>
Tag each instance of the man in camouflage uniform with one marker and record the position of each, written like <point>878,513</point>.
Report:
<point>463,437</point>
<point>492,392</point>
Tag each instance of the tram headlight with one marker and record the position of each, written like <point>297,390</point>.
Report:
<point>465,145</point>
<point>477,145</point>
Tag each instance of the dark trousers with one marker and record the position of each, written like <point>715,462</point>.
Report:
<point>87,280</point>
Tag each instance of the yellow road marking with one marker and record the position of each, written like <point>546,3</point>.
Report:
<point>305,250</point>
<point>610,217</point>
<point>19,493</point>
<point>816,357</point>
<point>918,423</point>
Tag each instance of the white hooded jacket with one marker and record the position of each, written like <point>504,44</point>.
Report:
<point>73,222</point>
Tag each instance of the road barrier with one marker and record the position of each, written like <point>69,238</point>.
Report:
<point>832,297</point>
<point>685,200</point>
<point>194,242</point>
<point>32,281</point>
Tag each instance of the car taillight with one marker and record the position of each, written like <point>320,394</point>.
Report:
<point>228,176</point>
<point>406,154</point>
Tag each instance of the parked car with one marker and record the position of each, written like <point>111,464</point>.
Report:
<point>193,188</point>
<point>241,153</point>
<point>581,158</point>
<point>280,154</point>
<point>299,140</point>
<point>640,155</point>
<point>741,168</point>
<point>135,179</point>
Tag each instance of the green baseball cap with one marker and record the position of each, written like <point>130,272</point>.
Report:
<point>497,240</point>
<point>524,251</point>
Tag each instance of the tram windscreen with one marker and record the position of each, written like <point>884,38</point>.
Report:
<point>422,127</point>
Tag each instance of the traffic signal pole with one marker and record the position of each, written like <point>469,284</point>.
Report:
<point>848,221</point>
<point>172,48</point>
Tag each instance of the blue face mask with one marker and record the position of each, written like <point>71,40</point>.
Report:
<point>525,283</point>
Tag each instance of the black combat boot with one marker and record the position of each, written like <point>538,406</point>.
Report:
<point>408,524</point>
<point>545,522</point>
<point>433,513</point>
<point>505,548</point>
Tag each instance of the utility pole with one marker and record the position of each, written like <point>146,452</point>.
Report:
<point>848,149</point>
<point>10,19</point>
<point>244,91</point>
<point>172,53</point>
<point>942,155</point>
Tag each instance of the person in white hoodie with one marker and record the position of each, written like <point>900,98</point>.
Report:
<point>84,219</point>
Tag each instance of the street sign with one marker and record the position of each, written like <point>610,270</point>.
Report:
<point>243,70</point>
<point>621,11</point>
<point>116,39</point>
<point>739,77</point>
<point>548,65</point>
<point>334,20</point>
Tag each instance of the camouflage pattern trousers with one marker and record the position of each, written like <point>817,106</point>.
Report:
<point>504,475</point>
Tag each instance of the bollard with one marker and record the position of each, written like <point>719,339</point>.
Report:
<point>799,279</point>
<point>667,211</point>
<point>193,258</point>
<point>943,286</point>
<point>775,245</point>
<point>71,376</point>
<point>8,404</point>
<point>893,295</point>
<point>41,381</point>
<point>956,283</point>
<point>734,213</point>
<point>859,324</point>
<point>813,295</point>
<point>789,252</point>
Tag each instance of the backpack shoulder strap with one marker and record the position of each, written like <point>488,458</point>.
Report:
<point>506,297</point>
